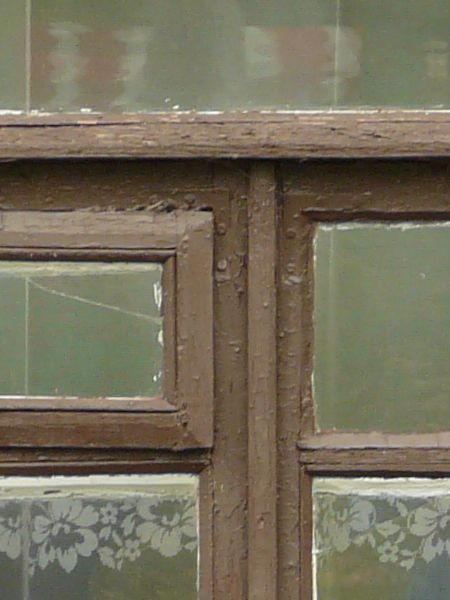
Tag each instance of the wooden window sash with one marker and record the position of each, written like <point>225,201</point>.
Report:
<point>354,193</point>
<point>341,192</point>
<point>159,187</point>
<point>182,240</point>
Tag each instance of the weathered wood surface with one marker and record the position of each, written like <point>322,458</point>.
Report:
<point>101,230</point>
<point>363,461</point>
<point>229,459</point>
<point>262,415</point>
<point>245,135</point>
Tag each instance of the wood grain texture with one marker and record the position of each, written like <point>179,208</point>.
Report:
<point>233,135</point>
<point>96,230</point>
<point>290,368</point>
<point>229,459</point>
<point>262,415</point>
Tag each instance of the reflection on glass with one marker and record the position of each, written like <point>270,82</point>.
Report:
<point>144,55</point>
<point>102,537</point>
<point>80,329</point>
<point>380,539</point>
<point>382,327</point>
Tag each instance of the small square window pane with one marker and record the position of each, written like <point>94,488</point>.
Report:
<point>80,329</point>
<point>382,327</point>
<point>89,538</point>
<point>381,539</point>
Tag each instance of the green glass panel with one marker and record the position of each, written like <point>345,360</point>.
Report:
<point>382,327</point>
<point>99,538</point>
<point>381,539</point>
<point>80,329</point>
<point>13,72</point>
<point>12,334</point>
<point>152,55</point>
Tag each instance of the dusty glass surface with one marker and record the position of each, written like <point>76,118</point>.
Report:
<point>382,327</point>
<point>378,539</point>
<point>13,64</point>
<point>149,55</point>
<point>80,329</point>
<point>99,537</point>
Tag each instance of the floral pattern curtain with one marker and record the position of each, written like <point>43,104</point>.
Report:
<point>99,544</point>
<point>390,542</point>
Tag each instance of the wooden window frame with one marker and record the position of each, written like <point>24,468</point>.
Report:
<point>251,475</point>
<point>160,188</point>
<point>315,193</point>
<point>182,241</point>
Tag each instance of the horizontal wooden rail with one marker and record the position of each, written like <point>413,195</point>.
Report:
<point>228,135</point>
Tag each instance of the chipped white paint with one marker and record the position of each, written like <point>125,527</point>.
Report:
<point>413,487</point>
<point>19,487</point>
<point>402,226</point>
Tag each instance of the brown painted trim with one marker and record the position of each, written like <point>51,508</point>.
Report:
<point>375,460</point>
<point>91,231</point>
<point>169,313</point>
<point>229,456</point>
<point>194,306</point>
<point>66,429</point>
<point>262,412</point>
<point>290,367</point>
<point>244,135</point>
<point>206,523</point>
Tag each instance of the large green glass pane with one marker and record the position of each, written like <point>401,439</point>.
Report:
<point>382,327</point>
<point>81,329</point>
<point>151,55</point>
<point>381,539</point>
<point>99,538</point>
<point>13,44</point>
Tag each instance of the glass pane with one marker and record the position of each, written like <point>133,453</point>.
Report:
<point>13,45</point>
<point>144,55</point>
<point>80,329</point>
<point>99,537</point>
<point>382,327</point>
<point>378,539</point>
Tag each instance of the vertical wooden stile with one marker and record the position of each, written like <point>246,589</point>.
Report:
<point>262,422</point>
